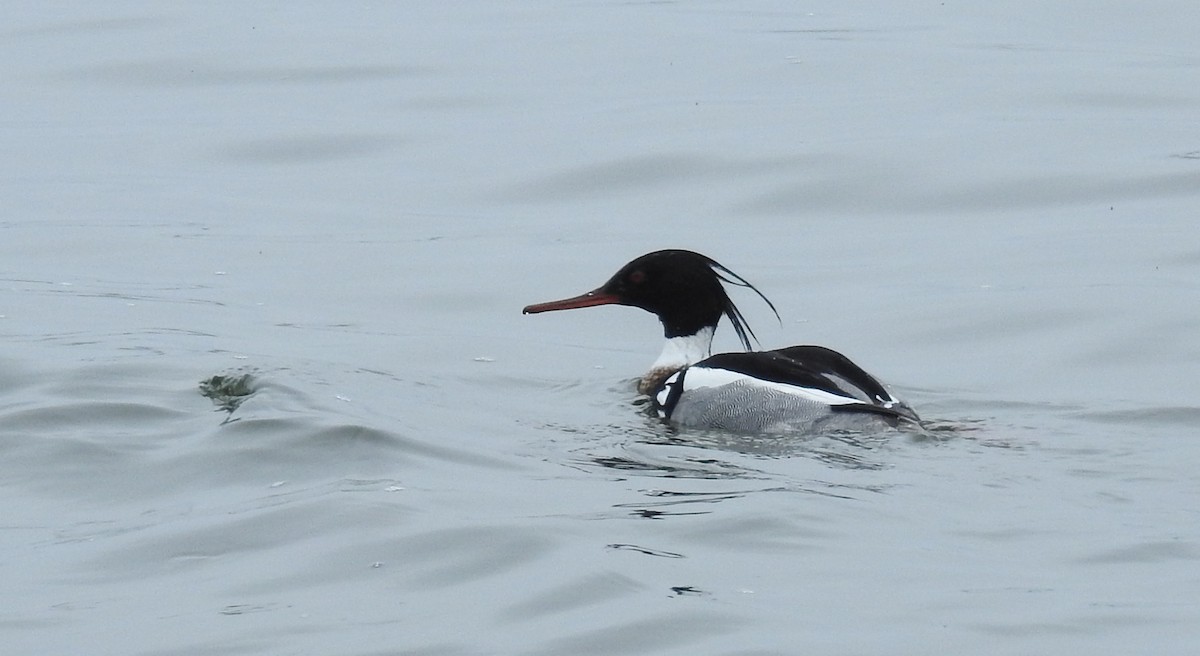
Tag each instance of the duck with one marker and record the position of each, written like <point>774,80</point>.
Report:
<point>796,388</point>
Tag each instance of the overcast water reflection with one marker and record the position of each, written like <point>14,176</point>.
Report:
<point>266,387</point>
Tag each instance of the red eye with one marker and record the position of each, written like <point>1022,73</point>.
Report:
<point>637,277</point>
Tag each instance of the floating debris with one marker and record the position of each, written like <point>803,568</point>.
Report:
<point>228,392</point>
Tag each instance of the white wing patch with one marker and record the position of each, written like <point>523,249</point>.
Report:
<point>850,389</point>
<point>700,377</point>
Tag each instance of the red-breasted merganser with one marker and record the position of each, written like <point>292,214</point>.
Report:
<point>798,387</point>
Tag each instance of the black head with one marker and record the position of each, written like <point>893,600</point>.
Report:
<point>684,289</point>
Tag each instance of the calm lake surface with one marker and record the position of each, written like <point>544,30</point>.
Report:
<point>265,386</point>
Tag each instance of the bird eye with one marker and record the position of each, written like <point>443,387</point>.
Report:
<point>637,277</point>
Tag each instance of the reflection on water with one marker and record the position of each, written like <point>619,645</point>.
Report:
<point>328,213</point>
<point>695,453</point>
<point>645,551</point>
<point>670,468</point>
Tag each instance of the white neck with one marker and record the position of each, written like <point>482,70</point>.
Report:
<point>680,352</point>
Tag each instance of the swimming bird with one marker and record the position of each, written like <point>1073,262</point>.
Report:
<point>795,388</point>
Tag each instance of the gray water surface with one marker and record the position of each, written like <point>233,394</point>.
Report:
<point>992,208</point>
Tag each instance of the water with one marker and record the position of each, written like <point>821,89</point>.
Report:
<point>991,208</point>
